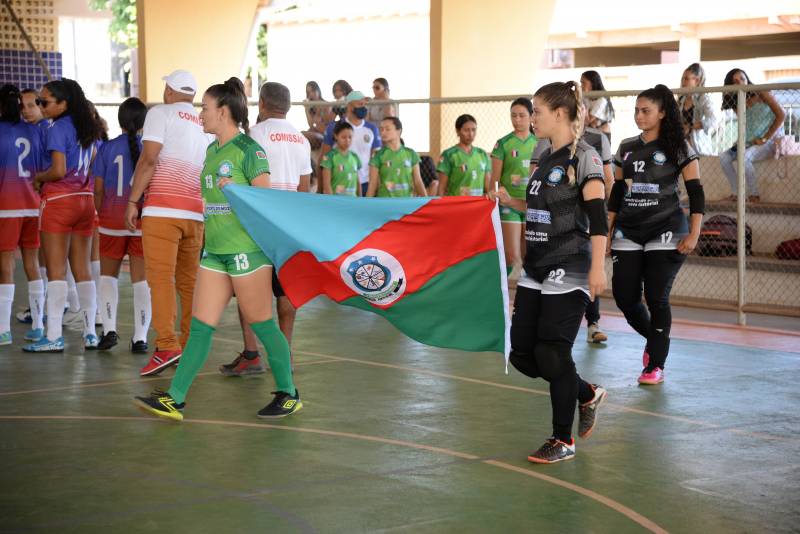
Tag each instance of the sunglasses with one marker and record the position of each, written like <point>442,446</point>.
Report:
<point>41,102</point>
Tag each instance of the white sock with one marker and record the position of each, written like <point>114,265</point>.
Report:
<point>96,278</point>
<point>72,292</point>
<point>56,298</point>
<point>6,301</point>
<point>36,302</point>
<point>88,300</point>
<point>109,298</point>
<point>43,274</point>
<point>141,310</point>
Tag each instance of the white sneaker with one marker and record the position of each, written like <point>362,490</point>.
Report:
<point>595,335</point>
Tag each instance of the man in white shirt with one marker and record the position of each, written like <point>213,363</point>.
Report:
<point>289,157</point>
<point>366,139</point>
<point>167,174</point>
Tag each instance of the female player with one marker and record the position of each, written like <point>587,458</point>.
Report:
<point>21,147</point>
<point>113,173</point>
<point>464,169</point>
<point>599,111</point>
<point>649,232</point>
<point>232,262</point>
<point>340,165</point>
<point>68,212</point>
<point>564,265</point>
<point>511,158</point>
<point>394,169</point>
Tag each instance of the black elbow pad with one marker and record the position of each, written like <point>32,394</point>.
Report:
<point>617,193</point>
<point>598,219</point>
<point>697,198</point>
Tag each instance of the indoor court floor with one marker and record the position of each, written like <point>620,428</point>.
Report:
<point>395,436</point>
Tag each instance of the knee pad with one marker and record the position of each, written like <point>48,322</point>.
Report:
<point>524,363</point>
<point>553,360</point>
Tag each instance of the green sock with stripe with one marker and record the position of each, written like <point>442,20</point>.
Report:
<point>278,354</point>
<point>193,359</point>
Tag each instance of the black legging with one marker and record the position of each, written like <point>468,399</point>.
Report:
<point>593,311</point>
<point>543,329</point>
<point>655,271</point>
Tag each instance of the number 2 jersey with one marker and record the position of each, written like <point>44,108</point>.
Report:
<point>114,166</point>
<point>651,205</point>
<point>21,150</point>
<point>557,227</point>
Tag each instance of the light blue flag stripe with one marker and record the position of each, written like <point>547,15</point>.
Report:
<point>333,224</point>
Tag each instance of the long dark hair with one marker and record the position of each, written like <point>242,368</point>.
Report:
<point>464,119</point>
<point>527,104</point>
<point>731,100</point>
<point>344,86</point>
<point>231,95</point>
<point>86,126</point>
<point>131,116</point>
<point>670,131</point>
<point>384,82</point>
<point>101,122</point>
<point>596,82</point>
<point>10,104</point>
<point>567,95</point>
<point>315,86</point>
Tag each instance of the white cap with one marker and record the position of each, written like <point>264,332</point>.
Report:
<point>181,81</point>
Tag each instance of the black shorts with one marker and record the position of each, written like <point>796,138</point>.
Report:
<point>277,289</point>
<point>558,279</point>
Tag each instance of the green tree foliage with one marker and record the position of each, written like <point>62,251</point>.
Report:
<point>123,22</point>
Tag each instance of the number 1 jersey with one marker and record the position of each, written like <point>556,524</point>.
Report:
<point>114,166</point>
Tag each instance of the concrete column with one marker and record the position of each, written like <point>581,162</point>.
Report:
<point>480,48</point>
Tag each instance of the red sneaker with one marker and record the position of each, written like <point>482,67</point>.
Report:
<point>160,360</point>
<point>241,366</point>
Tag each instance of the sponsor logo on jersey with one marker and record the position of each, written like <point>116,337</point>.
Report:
<point>225,169</point>
<point>641,187</point>
<point>375,275</point>
<point>407,162</point>
<point>217,209</point>
<point>260,154</point>
<point>597,161</point>
<point>555,176</point>
<point>538,216</point>
<point>659,158</point>
<point>367,138</point>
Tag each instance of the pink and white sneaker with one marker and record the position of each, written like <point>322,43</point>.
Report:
<point>645,358</point>
<point>651,378</point>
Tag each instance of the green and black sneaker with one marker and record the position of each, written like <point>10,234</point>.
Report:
<point>162,404</point>
<point>282,405</point>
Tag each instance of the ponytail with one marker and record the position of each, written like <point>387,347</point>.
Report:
<point>566,95</point>
<point>86,127</point>
<point>670,131</point>
<point>10,104</point>
<point>131,119</point>
<point>231,95</point>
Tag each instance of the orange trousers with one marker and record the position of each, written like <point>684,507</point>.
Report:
<point>171,259</point>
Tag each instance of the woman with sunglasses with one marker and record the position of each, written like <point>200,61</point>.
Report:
<point>67,214</point>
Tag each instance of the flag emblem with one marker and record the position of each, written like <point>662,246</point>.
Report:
<point>374,274</point>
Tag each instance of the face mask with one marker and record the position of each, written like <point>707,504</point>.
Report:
<point>360,112</point>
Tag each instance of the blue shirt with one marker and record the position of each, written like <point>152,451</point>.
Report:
<point>62,137</point>
<point>113,165</point>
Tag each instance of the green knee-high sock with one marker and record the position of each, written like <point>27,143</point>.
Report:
<point>509,270</point>
<point>194,357</point>
<point>278,353</point>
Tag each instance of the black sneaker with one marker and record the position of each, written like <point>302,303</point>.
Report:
<point>282,405</point>
<point>554,450</point>
<point>108,340</point>
<point>161,404</point>
<point>587,413</point>
<point>138,347</point>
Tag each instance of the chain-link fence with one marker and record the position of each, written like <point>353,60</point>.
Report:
<point>749,253</point>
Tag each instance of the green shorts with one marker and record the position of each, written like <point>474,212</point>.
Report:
<point>234,264</point>
<point>511,215</point>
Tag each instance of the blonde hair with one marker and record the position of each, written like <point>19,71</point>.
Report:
<point>566,95</point>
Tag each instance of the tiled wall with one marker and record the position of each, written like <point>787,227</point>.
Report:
<point>21,68</point>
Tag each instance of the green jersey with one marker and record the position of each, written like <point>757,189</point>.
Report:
<point>241,160</point>
<point>516,157</point>
<point>466,173</point>
<point>344,171</point>
<point>395,175</point>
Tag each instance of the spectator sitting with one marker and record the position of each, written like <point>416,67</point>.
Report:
<point>697,111</point>
<point>600,111</point>
<point>380,88</point>
<point>763,120</point>
<point>340,90</point>
<point>366,139</point>
<point>318,117</point>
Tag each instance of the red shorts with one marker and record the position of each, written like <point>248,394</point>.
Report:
<point>117,246</point>
<point>73,214</point>
<point>22,232</point>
